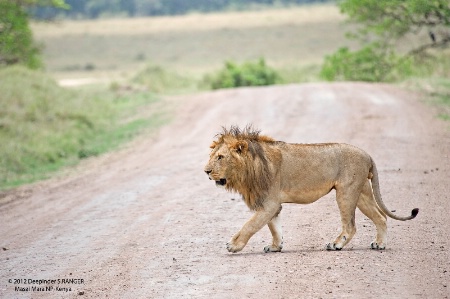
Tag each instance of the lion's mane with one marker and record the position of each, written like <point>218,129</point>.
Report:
<point>252,175</point>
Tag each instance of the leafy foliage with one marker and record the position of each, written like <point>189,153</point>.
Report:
<point>368,64</point>
<point>384,23</point>
<point>247,74</point>
<point>16,39</point>
<point>390,20</point>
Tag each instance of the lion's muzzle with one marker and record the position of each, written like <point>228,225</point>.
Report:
<point>221,182</point>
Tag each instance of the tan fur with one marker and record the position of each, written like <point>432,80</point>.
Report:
<point>268,173</point>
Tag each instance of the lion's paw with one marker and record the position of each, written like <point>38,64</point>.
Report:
<point>231,247</point>
<point>272,248</point>
<point>376,246</point>
<point>333,246</point>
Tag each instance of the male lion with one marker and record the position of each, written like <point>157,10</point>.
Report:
<point>268,173</point>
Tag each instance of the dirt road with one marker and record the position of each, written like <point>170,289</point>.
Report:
<point>147,223</point>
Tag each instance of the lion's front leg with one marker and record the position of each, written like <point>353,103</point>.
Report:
<point>253,225</point>
<point>277,234</point>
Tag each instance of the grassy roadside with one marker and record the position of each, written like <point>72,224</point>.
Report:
<point>44,127</point>
<point>436,91</point>
<point>434,84</point>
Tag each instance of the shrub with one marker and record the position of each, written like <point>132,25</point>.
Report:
<point>247,74</point>
<point>370,64</point>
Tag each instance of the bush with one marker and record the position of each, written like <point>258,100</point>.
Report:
<point>368,64</point>
<point>371,64</point>
<point>247,74</point>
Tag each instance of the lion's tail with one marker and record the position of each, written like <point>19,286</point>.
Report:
<point>376,192</point>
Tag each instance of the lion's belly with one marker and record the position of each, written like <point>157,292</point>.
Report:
<point>305,195</point>
<point>308,172</point>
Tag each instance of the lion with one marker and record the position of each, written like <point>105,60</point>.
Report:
<point>269,173</point>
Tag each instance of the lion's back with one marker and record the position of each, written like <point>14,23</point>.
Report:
<point>321,161</point>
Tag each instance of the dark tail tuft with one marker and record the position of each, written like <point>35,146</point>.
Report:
<point>414,212</point>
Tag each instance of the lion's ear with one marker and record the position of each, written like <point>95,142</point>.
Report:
<point>213,144</point>
<point>240,146</point>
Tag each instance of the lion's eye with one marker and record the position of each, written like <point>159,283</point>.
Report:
<point>219,157</point>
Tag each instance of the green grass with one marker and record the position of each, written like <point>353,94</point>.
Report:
<point>440,95</point>
<point>433,81</point>
<point>298,74</point>
<point>44,127</point>
<point>159,80</point>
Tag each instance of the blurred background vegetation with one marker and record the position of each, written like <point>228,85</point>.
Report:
<point>92,9</point>
<point>80,77</point>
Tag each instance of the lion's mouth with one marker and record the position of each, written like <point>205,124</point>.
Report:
<point>221,182</point>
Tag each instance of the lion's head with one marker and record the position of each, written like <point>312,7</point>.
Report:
<point>239,162</point>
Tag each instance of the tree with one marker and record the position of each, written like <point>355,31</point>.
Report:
<point>16,39</point>
<point>390,20</point>
<point>383,24</point>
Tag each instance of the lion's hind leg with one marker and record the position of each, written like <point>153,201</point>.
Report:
<point>277,234</point>
<point>346,200</point>
<point>369,207</point>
